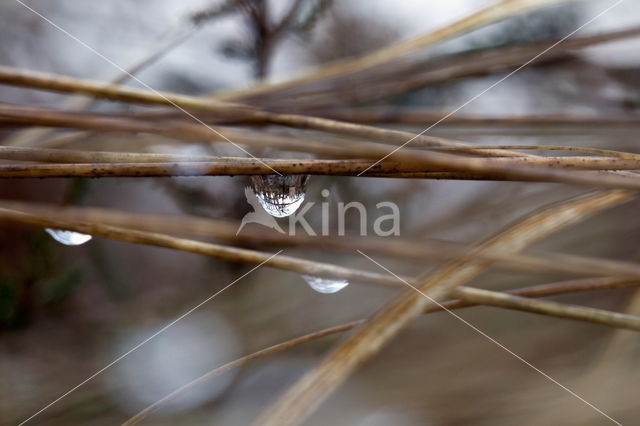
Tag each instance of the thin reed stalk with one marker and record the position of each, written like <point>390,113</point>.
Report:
<point>218,251</point>
<point>114,92</point>
<point>235,167</point>
<point>401,249</point>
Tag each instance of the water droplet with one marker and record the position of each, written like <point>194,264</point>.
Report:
<point>280,196</point>
<point>325,285</point>
<point>68,238</point>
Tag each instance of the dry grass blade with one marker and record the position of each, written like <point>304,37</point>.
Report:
<point>181,130</point>
<point>47,155</point>
<point>554,309</point>
<point>312,389</point>
<point>219,251</point>
<point>608,318</point>
<point>114,92</point>
<point>31,116</point>
<point>77,156</point>
<point>402,249</point>
<point>586,150</point>
<point>47,217</point>
<point>417,117</point>
<point>237,167</point>
<point>487,170</point>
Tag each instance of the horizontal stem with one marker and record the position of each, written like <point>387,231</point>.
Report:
<point>402,249</point>
<point>64,84</point>
<point>78,156</point>
<point>554,309</point>
<point>48,155</point>
<point>234,167</point>
<point>218,251</point>
<point>424,118</point>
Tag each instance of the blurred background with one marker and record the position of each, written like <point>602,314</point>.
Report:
<point>65,312</point>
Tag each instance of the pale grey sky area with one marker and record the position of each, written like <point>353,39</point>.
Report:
<point>125,31</point>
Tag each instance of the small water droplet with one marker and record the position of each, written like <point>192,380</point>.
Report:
<point>68,238</point>
<point>280,196</point>
<point>325,285</point>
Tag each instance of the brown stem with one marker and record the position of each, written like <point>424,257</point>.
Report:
<point>424,118</point>
<point>44,81</point>
<point>402,249</point>
<point>219,251</point>
<point>234,167</point>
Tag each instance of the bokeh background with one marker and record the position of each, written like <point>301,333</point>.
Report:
<point>65,312</point>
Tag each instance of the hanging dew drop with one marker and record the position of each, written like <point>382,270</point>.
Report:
<point>280,196</point>
<point>325,285</point>
<point>68,238</point>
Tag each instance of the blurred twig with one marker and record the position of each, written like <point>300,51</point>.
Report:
<point>407,78</point>
<point>423,118</point>
<point>490,14</point>
<point>208,249</point>
<point>58,83</point>
<point>219,10</point>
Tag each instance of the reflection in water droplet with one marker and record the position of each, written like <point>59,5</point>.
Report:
<point>325,285</point>
<point>68,238</point>
<point>280,195</point>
